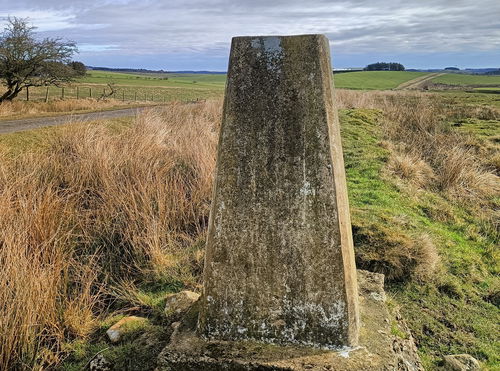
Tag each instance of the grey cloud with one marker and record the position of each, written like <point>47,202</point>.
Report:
<point>155,26</point>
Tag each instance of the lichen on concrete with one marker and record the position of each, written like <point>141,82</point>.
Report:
<point>378,348</point>
<point>279,260</point>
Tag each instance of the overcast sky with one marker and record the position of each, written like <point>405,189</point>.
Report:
<point>196,34</point>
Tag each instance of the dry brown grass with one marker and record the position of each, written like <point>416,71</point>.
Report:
<point>98,206</point>
<point>411,168</point>
<point>425,150</point>
<point>392,251</point>
<point>22,108</point>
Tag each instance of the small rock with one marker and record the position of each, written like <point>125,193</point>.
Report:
<point>180,302</point>
<point>121,327</point>
<point>376,296</point>
<point>99,363</point>
<point>461,362</point>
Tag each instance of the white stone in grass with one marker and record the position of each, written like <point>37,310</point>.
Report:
<point>116,331</point>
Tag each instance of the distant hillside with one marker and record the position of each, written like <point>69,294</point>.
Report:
<point>468,71</point>
<point>143,70</point>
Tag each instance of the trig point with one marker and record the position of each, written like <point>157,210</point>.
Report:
<point>279,262</point>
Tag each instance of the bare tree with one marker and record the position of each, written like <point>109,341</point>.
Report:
<point>26,61</point>
<point>111,93</point>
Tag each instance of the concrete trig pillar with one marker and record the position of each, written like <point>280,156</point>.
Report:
<point>279,261</point>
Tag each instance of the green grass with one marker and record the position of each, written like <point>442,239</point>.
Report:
<point>453,313</point>
<point>374,80</point>
<point>138,349</point>
<point>140,87</point>
<point>466,80</point>
<point>199,81</point>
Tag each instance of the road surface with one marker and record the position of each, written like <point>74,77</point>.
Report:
<point>418,82</point>
<point>10,126</point>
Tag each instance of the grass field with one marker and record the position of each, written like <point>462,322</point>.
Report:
<point>146,88</point>
<point>464,80</point>
<point>182,80</point>
<point>134,87</point>
<point>374,80</point>
<point>117,207</point>
<point>188,87</point>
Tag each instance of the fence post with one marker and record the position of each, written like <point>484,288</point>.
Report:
<point>77,92</point>
<point>47,95</point>
<point>90,92</point>
<point>135,96</point>
<point>62,93</point>
<point>27,94</point>
<point>103,92</point>
<point>123,96</point>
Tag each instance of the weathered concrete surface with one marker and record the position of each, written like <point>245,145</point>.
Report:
<point>180,302</point>
<point>378,348</point>
<point>279,261</point>
<point>461,362</point>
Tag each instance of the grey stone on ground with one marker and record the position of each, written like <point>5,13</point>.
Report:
<point>99,363</point>
<point>378,348</point>
<point>279,263</point>
<point>180,302</point>
<point>461,362</point>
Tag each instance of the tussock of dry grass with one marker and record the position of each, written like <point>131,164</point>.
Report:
<point>98,206</point>
<point>23,108</point>
<point>396,254</point>
<point>425,151</point>
<point>411,168</point>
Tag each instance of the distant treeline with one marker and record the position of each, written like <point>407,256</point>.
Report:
<point>134,70</point>
<point>385,66</point>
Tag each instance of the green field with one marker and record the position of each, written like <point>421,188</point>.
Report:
<point>374,80</point>
<point>187,87</point>
<point>136,87</point>
<point>369,80</point>
<point>180,80</point>
<point>179,86</point>
<point>464,80</point>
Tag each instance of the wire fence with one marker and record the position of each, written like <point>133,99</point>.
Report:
<point>51,93</point>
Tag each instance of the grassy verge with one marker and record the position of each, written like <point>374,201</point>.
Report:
<point>453,310</point>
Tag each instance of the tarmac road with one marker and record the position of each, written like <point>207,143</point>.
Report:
<point>10,126</point>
